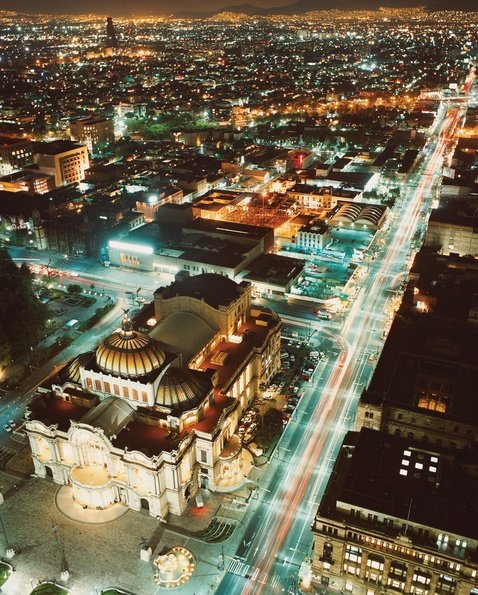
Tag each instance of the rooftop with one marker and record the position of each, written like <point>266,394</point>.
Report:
<point>420,354</point>
<point>9,141</point>
<point>396,478</point>
<point>215,290</point>
<point>56,147</point>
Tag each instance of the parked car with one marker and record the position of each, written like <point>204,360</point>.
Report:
<point>7,428</point>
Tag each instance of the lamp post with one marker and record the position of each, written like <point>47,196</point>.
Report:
<point>7,543</point>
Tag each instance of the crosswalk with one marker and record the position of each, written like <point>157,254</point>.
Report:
<point>234,504</point>
<point>252,573</point>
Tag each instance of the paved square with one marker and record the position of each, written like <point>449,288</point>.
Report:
<point>99,556</point>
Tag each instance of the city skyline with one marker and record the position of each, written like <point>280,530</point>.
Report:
<point>239,302</point>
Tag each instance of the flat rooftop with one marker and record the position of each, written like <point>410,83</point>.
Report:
<point>396,478</point>
<point>215,290</point>
<point>8,141</point>
<point>56,147</point>
<point>274,269</point>
<point>253,337</point>
<point>421,352</point>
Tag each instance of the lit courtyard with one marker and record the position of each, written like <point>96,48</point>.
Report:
<point>99,556</point>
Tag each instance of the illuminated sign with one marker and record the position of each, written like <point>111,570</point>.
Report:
<point>130,247</point>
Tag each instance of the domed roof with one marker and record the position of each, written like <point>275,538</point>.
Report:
<point>128,353</point>
<point>181,390</point>
<point>73,372</point>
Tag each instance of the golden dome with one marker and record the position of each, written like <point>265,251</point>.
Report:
<point>181,390</point>
<point>129,354</point>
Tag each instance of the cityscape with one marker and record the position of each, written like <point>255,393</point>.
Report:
<point>239,298</point>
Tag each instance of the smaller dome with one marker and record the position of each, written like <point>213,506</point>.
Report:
<point>181,390</point>
<point>129,354</point>
<point>73,370</point>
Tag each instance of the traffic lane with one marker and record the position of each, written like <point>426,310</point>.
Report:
<point>357,329</point>
<point>274,481</point>
<point>292,484</point>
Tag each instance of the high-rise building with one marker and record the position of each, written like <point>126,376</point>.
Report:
<point>399,511</point>
<point>397,517</point>
<point>65,160</point>
<point>93,131</point>
<point>111,41</point>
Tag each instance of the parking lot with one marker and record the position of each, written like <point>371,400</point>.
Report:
<point>299,360</point>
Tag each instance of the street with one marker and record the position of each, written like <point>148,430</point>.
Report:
<point>267,548</point>
<point>277,536</point>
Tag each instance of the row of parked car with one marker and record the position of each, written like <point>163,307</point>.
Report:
<point>247,428</point>
<point>304,373</point>
<point>10,426</point>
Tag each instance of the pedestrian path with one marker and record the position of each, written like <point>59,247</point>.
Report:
<point>252,573</point>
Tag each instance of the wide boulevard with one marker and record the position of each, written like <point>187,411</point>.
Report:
<point>274,539</point>
<point>276,536</point>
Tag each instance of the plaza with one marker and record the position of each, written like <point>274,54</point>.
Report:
<point>101,556</point>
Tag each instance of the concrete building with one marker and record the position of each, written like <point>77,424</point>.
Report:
<point>132,109</point>
<point>95,132</point>
<point>452,227</point>
<point>216,204</point>
<point>15,153</point>
<point>299,159</point>
<point>397,517</point>
<point>30,181</point>
<point>427,373</point>
<point>149,420</point>
<point>65,160</point>
<point>177,241</point>
<point>149,203</point>
<point>313,236</point>
<point>314,197</point>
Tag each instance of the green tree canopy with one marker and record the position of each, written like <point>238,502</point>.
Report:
<point>74,289</point>
<point>22,316</point>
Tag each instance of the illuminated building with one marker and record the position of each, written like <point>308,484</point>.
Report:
<point>131,109</point>
<point>30,181</point>
<point>314,236</point>
<point>15,153</point>
<point>397,517</point>
<point>65,160</point>
<point>147,420</point>
<point>452,228</point>
<point>428,368</point>
<point>93,131</point>
<point>299,159</point>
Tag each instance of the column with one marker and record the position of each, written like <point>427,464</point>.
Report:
<point>409,578</point>
<point>433,583</point>
<point>386,570</point>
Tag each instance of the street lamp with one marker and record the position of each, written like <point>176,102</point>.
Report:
<point>7,543</point>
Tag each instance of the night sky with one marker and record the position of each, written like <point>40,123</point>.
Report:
<point>115,7</point>
<point>122,7</point>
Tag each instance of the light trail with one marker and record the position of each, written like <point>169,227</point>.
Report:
<point>304,473</point>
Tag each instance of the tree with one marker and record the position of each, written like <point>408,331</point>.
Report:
<point>5,355</point>
<point>270,427</point>
<point>22,316</point>
<point>74,289</point>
